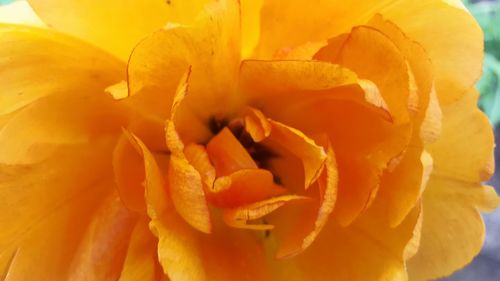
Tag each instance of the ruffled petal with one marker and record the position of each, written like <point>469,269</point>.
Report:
<point>350,51</point>
<point>429,22</point>
<point>210,46</point>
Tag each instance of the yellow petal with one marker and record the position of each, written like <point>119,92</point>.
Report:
<point>24,81</point>
<point>37,129</point>
<point>116,26</point>
<point>465,148</point>
<point>428,22</point>
<point>46,207</point>
<point>250,25</point>
<point>452,232</point>
<point>210,46</point>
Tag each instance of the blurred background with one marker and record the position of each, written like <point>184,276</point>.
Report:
<point>486,266</point>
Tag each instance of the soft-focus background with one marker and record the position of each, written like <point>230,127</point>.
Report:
<point>486,266</point>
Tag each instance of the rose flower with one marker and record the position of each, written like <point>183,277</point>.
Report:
<point>242,140</point>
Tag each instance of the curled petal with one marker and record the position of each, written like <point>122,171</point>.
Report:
<point>244,187</point>
<point>309,229</point>
<point>228,155</point>
<point>238,217</point>
<point>312,155</point>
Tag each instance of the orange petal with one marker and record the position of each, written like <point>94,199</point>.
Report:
<point>256,124</point>
<point>312,155</point>
<point>227,154</point>
<point>244,187</point>
<point>138,19</point>
<point>310,228</point>
<point>238,217</point>
<point>92,70</point>
<point>349,51</point>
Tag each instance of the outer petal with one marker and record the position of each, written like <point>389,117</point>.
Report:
<point>452,230</point>
<point>36,130</point>
<point>464,150</point>
<point>34,63</point>
<point>46,207</point>
<point>116,26</point>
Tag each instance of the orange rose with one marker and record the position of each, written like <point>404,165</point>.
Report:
<point>247,140</point>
